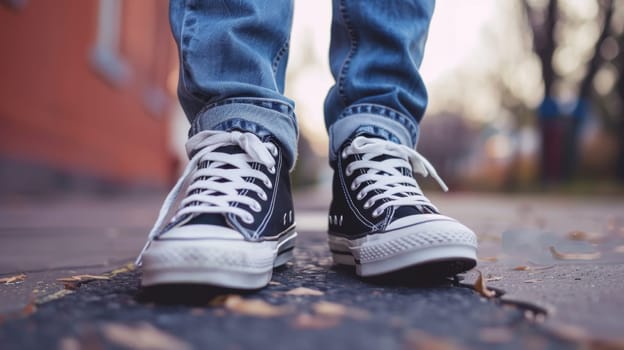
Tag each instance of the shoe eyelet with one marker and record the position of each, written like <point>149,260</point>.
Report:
<point>274,152</point>
<point>368,204</point>
<point>376,213</point>
<point>268,184</point>
<point>248,219</point>
<point>361,195</point>
<point>272,170</point>
<point>354,185</point>
<point>262,196</point>
<point>348,171</point>
<point>256,207</point>
<point>344,154</point>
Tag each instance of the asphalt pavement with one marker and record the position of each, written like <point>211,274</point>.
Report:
<point>554,262</point>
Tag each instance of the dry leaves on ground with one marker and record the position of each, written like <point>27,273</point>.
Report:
<point>142,336</point>
<point>592,237</point>
<point>328,314</point>
<point>304,291</point>
<point>74,282</point>
<point>417,339</point>
<point>307,321</point>
<point>56,295</point>
<point>327,308</point>
<point>126,268</point>
<point>574,256</point>
<point>522,268</point>
<point>489,258</point>
<point>532,268</point>
<point>13,279</point>
<point>619,249</point>
<point>30,308</point>
<point>480,287</point>
<point>585,338</point>
<point>495,335</point>
<point>493,278</point>
<point>254,307</point>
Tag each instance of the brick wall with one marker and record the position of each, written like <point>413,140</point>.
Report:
<point>67,108</point>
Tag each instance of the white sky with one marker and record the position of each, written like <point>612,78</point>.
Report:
<point>456,33</point>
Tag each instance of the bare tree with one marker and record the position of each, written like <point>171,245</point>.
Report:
<point>559,132</point>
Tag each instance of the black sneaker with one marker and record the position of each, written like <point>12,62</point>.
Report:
<point>234,220</point>
<point>379,219</point>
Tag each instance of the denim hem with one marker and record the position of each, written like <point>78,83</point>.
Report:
<point>255,115</point>
<point>378,120</point>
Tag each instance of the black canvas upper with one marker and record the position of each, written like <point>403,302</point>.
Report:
<point>276,216</point>
<point>347,215</point>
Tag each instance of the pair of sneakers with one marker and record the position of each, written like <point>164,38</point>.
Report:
<point>229,220</point>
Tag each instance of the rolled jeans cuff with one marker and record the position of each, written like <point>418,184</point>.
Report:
<point>375,120</point>
<point>261,117</point>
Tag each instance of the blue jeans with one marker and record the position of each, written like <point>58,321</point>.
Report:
<point>233,57</point>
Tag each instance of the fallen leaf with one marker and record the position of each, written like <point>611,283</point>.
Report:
<point>532,281</point>
<point>493,278</point>
<point>82,278</point>
<point>30,308</point>
<point>274,283</point>
<point>574,256</point>
<point>307,321</point>
<point>73,282</point>
<point>480,287</point>
<point>254,307</point>
<point>619,249</point>
<point>304,291</point>
<point>329,309</point>
<point>142,336</point>
<point>218,300</point>
<point>522,268</point>
<point>417,339</point>
<point>489,259</point>
<point>585,236</point>
<point>126,268</point>
<point>495,335</point>
<point>13,279</point>
<point>56,295</point>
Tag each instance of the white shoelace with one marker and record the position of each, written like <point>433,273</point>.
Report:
<point>217,187</point>
<point>385,176</point>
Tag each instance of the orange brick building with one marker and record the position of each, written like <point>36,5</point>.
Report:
<point>84,96</point>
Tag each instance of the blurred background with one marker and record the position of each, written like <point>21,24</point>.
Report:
<point>525,95</point>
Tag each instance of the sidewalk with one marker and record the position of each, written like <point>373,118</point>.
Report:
<point>577,283</point>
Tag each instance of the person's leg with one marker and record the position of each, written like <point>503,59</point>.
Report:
<point>233,58</point>
<point>375,53</point>
<point>379,220</point>
<point>229,219</point>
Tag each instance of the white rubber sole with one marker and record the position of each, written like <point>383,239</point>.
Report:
<point>429,242</point>
<point>235,264</point>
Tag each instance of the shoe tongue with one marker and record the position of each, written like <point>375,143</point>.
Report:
<point>207,219</point>
<point>406,210</point>
<point>229,149</point>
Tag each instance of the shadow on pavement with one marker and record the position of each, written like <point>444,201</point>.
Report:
<point>185,294</point>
